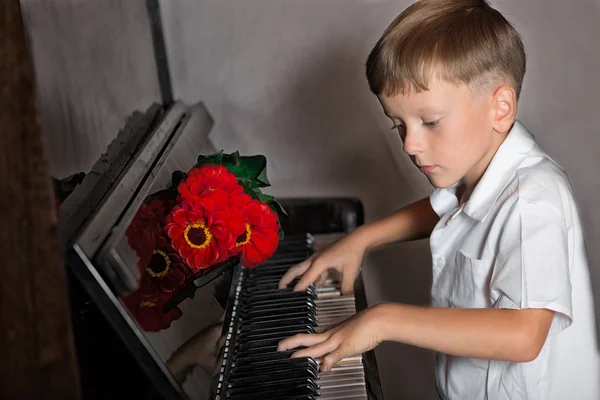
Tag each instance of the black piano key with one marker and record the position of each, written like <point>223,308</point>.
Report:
<point>277,394</point>
<point>257,291</point>
<point>281,334</point>
<point>275,308</point>
<point>278,306</point>
<point>250,325</point>
<point>265,340</point>
<point>267,332</point>
<point>275,376</point>
<point>277,296</point>
<point>262,358</point>
<point>268,270</point>
<point>275,365</point>
<point>287,258</point>
<point>264,350</point>
<point>279,316</point>
<point>282,388</point>
<point>303,365</point>
<point>290,302</point>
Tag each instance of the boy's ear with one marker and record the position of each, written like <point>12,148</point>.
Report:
<point>505,108</point>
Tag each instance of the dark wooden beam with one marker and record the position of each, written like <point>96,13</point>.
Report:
<point>37,355</point>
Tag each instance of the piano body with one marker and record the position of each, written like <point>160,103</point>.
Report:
<point>119,357</point>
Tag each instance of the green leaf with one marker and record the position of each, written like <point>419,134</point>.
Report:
<point>237,170</point>
<point>216,159</point>
<point>278,208</point>
<point>249,190</point>
<point>256,168</point>
<point>232,159</point>
<point>280,211</point>
<point>265,198</point>
<point>262,178</point>
<point>253,168</point>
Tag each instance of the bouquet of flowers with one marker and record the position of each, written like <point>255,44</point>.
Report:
<point>212,213</point>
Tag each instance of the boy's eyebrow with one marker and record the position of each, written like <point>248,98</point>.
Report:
<point>426,109</point>
<point>423,109</point>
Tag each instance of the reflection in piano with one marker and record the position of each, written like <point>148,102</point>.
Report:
<point>222,343</point>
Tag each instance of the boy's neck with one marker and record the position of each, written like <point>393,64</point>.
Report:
<point>464,190</point>
<point>462,195</point>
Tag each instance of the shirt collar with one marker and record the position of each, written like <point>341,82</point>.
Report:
<point>509,155</point>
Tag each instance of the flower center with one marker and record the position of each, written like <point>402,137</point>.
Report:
<point>244,238</point>
<point>146,304</point>
<point>159,265</point>
<point>197,235</point>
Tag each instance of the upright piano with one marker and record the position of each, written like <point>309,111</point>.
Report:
<point>216,338</point>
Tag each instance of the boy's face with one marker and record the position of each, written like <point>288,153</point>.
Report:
<point>447,131</point>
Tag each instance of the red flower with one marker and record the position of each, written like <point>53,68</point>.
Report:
<point>149,218</point>
<point>207,179</point>
<point>261,238</point>
<point>204,232</point>
<point>163,271</point>
<point>148,314</point>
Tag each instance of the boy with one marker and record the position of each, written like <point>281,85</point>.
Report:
<point>512,313</point>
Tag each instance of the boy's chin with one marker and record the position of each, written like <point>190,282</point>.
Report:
<point>441,183</point>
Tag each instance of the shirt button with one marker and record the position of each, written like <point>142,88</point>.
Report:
<point>438,261</point>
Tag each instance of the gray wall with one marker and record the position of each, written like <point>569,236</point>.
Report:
<point>286,79</point>
<point>94,65</point>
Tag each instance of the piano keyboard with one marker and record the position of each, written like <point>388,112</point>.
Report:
<point>263,315</point>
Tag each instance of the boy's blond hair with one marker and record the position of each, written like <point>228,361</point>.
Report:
<point>459,41</point>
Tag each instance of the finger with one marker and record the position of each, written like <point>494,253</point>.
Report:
<point>309,276</point>
<point>322,278</point>
<point>293,272</point>
<point>317,350</point>
<point>348,283</point>
<point>301,339</point>
<point>333,358</point>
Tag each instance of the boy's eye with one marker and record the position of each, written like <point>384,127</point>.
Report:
<point>399,126</point>
<point>431,124</point>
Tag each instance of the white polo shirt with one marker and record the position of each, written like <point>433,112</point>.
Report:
<point>517,243</point>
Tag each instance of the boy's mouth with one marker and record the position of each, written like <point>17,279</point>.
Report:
<point>427,168</point>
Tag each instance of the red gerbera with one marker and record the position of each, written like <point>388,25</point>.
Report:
<point>261,238</point>
<point>148,314</point>
<point>149,218</point>
<point>204,232</point>
<point>208,177</point>
<point>163,271</point>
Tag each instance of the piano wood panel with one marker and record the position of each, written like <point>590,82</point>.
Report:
<point>94,66</point>
<point>36,340</point>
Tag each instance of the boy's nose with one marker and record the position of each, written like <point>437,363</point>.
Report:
<point>412,144</point>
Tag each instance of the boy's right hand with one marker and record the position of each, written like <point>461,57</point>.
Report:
<point>344,256</point>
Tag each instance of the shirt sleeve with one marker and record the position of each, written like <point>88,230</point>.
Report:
<point>532,269</point>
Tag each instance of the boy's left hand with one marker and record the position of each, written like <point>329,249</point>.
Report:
<point>351,337</point>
